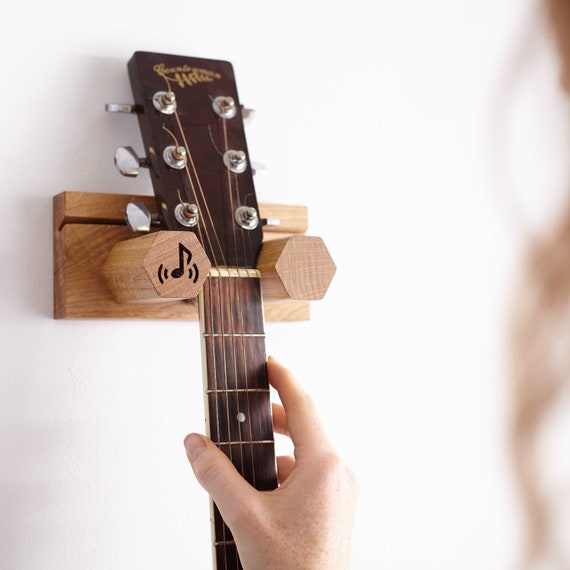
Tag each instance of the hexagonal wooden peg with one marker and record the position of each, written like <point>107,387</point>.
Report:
<point>164,265</point>
<point>296,267</point>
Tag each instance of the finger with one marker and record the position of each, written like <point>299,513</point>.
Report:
<point>285,466</point>
<point>279,420</point>
<point>305,429</point>
<point>217,475</point>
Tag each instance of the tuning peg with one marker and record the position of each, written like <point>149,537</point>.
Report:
<point>121,108</point>
<point>257,168</point>
<point>247,115</point>
<point>139,218</point>
<point>128,162</point>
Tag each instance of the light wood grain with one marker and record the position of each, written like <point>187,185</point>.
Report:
<point>296,267</point>
<point>86,227</point>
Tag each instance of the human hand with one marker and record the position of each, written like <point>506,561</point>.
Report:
<point>305,523</point>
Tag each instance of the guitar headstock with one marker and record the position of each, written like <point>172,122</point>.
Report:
<point>192,129</point>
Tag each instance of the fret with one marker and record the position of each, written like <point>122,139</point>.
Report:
<point>248,442</point>
<point>232,308</point>
<point>234,335</point>
<point>235,362</point>
<point>227,558</point>
<point>240,416</point>
<point>223,542</point>
<point>223,390</point>
<point>255,462</point>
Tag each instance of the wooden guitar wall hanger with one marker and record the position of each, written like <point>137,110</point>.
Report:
<point>201,248</point>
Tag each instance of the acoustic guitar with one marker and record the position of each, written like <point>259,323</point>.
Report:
<point>191,122</point>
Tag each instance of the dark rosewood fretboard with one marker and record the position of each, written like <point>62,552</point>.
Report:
<point>237,388</point>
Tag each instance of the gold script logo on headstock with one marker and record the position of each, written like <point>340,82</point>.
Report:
<point>185,75</point>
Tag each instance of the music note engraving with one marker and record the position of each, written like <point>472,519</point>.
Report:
<point>184,261</point>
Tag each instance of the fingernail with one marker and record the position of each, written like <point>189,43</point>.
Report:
<point>194,444</point>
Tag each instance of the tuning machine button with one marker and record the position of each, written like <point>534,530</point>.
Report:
<point>270,222</point>
<point>139,218</point>
<point>247,115</point>
<point>121,108</point>
<point>128,162</point>
<point>257,168</point>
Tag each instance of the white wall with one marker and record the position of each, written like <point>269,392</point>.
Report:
<point>385,118</point>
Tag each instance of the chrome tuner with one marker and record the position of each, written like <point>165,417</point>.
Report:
<point>186,214</point>
<point>224,107</point>
<point>175,157</point>
<point>165,102</point>
<point>235,160</point>
<point>120,108</point>
<point>247,115</point>
<point>246,217</point>
<point>271,222</point>
<point>128,162</point>
<point>138,217</point>
<point>257,168</point>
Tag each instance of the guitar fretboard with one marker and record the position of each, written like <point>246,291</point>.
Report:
<point>237,388</point>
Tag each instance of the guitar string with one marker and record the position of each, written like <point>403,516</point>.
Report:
<point>234,289</point>
<point>213,337</point>
<point>204,230</point>
<point>195,197</point>
<point>192,187</point>
<point>232,331</point>
<point>201,200</point>
<point>238,293</point>
<point>226,283</point>
<point>241,322</point>
<point>244,237</point>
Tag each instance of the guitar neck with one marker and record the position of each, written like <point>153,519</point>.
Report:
<point>237,399</point>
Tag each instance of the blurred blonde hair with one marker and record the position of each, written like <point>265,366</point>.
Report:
<point>539,367</point>
<point>539,343</point>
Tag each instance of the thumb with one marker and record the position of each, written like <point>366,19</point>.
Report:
<point>217,475</point>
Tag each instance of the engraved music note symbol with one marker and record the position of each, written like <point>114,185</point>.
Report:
<point>184,261</point>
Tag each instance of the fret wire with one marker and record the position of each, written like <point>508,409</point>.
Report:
<point>260,441</point>
<point>256,425</point>
<point>234,335</point>
<point>253,390</point>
